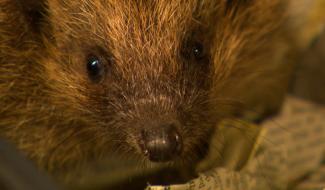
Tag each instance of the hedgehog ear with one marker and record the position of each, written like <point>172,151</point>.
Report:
<point>34,11</point>
<point>307,19</point>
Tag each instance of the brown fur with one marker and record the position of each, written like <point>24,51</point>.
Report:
<point>59,118</point>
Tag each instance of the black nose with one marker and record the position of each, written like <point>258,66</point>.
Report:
<point>162,143</point>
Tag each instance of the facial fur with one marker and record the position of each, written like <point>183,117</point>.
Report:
<point>190,63</point>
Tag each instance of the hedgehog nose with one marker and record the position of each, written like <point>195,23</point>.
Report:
<point>162,143</point>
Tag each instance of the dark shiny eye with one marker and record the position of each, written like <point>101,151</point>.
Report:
<point>95,68</point>
<point>198,51</point>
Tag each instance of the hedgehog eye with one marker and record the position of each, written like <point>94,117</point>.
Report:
<point>194,51</point>
<point>198,51</point>
<point>95,68</point>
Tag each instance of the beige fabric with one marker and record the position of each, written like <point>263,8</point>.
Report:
<point>292,145</point>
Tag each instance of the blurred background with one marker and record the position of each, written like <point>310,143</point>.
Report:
<point>309,78</point>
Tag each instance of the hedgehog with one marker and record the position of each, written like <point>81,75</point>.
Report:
<point>150,80</point>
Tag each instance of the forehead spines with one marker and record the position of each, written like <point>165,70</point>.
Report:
<point>138,32</point>
<point>150,36</point>
<point>122,13</point>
